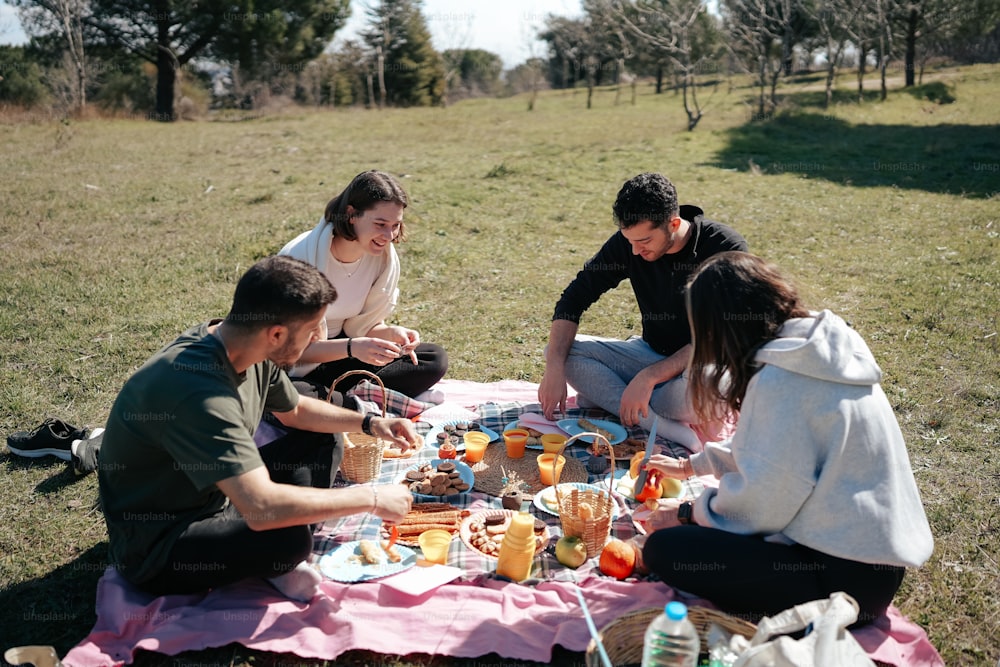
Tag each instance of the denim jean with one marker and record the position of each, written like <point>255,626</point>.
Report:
<point>599,369</point>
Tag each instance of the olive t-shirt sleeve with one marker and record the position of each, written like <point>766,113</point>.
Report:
<point>281,393</point>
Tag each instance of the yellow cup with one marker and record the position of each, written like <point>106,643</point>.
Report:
<point>475,446</point>
<point>515,440</point>
<point>545,472</point>
<point>434,543</point>
<point>553,442</point>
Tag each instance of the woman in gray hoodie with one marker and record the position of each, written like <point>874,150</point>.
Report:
<point>815,491</point>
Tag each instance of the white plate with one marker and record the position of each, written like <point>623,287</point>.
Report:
<point>430,440</point>
<point>463,469</point>
<point>344,563</point>
<point>541,503</point>
<point>466,530</point>
<point>572,427</point>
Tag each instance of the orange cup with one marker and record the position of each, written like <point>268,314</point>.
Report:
<point>553,442</point>
<point>475,446</point>
<point>545,468</point>
<point>515,439</point>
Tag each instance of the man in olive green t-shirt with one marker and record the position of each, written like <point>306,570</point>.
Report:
<point>188,501</point>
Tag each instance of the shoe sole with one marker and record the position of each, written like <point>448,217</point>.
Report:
<point>39,453</point>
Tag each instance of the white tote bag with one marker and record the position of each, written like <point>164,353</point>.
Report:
<point>828,644</point>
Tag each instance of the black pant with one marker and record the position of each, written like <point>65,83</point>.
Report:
<point>221,549</point>
<point>752,578</point>
<point>400,374</point>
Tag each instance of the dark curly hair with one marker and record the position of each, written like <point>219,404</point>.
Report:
<point>647,196</point>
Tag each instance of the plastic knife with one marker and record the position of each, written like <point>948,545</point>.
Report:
<point>640,481</point>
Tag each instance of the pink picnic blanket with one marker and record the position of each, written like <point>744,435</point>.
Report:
<point>461,619</point>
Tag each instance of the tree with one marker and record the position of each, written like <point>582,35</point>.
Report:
<point>410,71</point>
<point>65,18</point>
<point>682,32</point>
<point>475,72</point>
<point>170,33</point>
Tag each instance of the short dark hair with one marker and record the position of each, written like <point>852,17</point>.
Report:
<point>279,290</point>
<point>366,190</point>
<point>648,196</point>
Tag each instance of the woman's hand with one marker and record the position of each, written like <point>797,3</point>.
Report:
<point>405,340</point>
<point>665,515</point>
<point>375,351</point>
<point>669,466</point>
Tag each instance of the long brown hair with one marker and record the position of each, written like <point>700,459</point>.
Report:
<point>736,302</point>
<point>366,190</point>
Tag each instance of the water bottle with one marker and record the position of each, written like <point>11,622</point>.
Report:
<point>671,639</point>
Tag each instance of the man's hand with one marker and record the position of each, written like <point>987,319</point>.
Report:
<point>394,502</point>
<point>635,399</point>
<point>400,431</point>
<point>552,394</point>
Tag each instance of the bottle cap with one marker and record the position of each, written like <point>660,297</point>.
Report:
<point>675,611</point>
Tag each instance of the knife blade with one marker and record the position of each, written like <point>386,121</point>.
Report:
<point>640,481</point>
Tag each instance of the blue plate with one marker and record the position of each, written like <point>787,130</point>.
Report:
<point>464,471</point>
<point>344,563</point>
<point>572,427</point>
<point>430,440</point>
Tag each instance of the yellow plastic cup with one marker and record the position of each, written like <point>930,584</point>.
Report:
<point>515,440</point>
<point>553,442</point>
<point>475,446</point>
<point>545,472</point>
<point>434,544</point>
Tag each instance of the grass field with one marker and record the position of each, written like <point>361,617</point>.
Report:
<point>116,235</point>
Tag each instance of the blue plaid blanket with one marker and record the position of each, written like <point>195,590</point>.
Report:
<point>475,564</point>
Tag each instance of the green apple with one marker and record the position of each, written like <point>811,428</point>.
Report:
<point>571,551</point>
<point>672,488</point>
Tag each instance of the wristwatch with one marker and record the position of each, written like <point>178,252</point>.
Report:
<point>684,514</point>
<point>366,425</point>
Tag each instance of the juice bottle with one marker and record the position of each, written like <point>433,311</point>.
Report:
<point>517,550</point>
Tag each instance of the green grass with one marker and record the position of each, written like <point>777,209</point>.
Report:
<point>116,235</point>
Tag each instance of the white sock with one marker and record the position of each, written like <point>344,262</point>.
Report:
<point>673,430</point>
<point>301,583</point>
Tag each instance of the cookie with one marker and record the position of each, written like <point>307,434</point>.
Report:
<point>446,467</point>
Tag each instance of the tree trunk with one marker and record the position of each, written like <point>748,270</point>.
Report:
<point>912,22</point>
<point>659,79</point>
<point>693,114</point>
<point>381,77</point>
<point>861,74</point>
<point>166,77</point>
<point>635,90</point>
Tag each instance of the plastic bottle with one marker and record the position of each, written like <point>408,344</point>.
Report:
<point>671,639</point>
<point>518,548</point>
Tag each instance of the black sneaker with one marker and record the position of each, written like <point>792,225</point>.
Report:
<point>85,454</point>
<point>52,438</point>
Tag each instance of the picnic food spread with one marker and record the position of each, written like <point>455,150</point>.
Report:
<point>581,518</point>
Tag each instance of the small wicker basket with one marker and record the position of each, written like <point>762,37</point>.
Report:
<point>594,529</point>
<point>362,460</point>
<point>624,636</point>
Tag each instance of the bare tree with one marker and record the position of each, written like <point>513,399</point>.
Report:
<point>66,18</point>
<point>681,31</point>
<point>833,17</point>
<point>755,41</point>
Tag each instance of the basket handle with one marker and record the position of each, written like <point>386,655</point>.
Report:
<point>369,374</point>
<point>598,440</point>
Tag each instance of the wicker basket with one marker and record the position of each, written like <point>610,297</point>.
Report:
<point>594,530</point>
<point>623,637</point>
<point>362,460</point>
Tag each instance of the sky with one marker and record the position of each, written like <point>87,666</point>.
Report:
<point>504,27</point>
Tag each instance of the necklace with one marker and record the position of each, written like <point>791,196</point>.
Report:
<point>356,264</point>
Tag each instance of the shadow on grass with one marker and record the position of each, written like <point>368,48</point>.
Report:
<point>954,159</point>
<point>56,609</point>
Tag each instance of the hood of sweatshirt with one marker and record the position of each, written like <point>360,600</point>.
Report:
<point>822,346</point>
